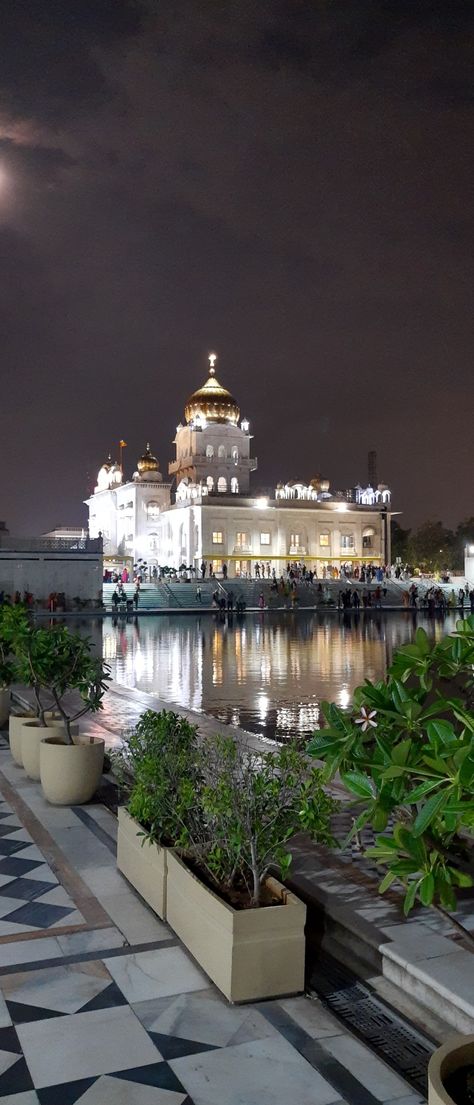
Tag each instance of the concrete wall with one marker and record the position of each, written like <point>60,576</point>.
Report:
<point>469,564</point>
<point>76,573</point>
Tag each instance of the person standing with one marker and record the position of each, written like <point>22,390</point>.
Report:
<point>198,593</point>
<point>136,596</point>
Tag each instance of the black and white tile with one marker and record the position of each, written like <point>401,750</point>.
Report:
<point>30,896</point>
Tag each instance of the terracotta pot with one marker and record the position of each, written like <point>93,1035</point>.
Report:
<point>457,1052</point>
<point>250,954</point>
<point>4,706</point>
<point>143,864</point>
<point>71,773</point>
<point>32,733</point>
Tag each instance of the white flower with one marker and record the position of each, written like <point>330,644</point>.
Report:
<point>366,719</point>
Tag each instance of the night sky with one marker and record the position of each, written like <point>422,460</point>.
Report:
<point>288,183</point>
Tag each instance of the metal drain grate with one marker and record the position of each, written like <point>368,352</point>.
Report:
<point>383,1030</point>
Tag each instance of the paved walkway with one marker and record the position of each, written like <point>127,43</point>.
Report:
<point>99,1003</point>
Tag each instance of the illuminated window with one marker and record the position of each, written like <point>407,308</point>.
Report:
<point>209,451</point>
<point>241,539</point>
<point>221,451</point>
<point>222,484</point>
<point>210,483</point>
<point>265,539</point>
<point>347,540</point>
<point>235,455</point>
<point>324,540</point>
<point>217,538</point>
<point>152,509</point>
<point>295,540</point>
<point>234,486</point>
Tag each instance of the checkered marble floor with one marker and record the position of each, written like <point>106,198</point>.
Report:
<point>145,1028</point>
<point>113,1011</point>
<point>31,897</point>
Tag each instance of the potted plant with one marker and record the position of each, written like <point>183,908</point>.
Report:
<point>241,924</point>
<point>70,764</point>
<point>155,768</point>
<point>405,752</point>
<point>27,644</point>
<point>451,1073</point>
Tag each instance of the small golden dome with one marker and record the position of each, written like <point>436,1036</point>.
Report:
<point>212,402</point>
<point>315,483</point>
<point>147,462</point>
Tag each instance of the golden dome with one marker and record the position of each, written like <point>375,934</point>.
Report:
<point>147,462</point>
<point>212,402</point>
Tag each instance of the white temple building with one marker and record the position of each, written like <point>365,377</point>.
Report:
<point>207,511</point>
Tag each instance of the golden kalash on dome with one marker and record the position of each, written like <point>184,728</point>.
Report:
<point>147,462</point>
<point>212,402</point>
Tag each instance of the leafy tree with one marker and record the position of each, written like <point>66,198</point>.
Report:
<point>431,546</point>
<point>406,752</point>
<point>463,536</point>
<point>399,541</point>
<point>59,662</point>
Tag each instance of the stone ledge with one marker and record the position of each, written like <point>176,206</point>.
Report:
<point>443,979</point>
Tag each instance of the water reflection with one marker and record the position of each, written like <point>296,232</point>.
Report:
<point>267,674</point>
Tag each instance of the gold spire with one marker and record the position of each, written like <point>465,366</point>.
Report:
<point>212,402</point>
<point>147,462</point>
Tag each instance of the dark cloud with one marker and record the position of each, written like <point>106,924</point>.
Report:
<point>288,183</point>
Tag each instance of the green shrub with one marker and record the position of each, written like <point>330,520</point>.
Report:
<point>229,811</point>
<point>156,767</point>
<point>406,752</point>
<point>251,804</point>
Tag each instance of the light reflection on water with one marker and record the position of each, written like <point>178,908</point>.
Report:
<point>265,673</point>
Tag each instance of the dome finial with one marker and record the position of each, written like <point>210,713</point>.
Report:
<point>212,361</point>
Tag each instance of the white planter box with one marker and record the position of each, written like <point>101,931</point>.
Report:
<point>250,953</point>
<point>143,864</point>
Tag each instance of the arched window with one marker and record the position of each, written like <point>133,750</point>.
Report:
<point>209,451</point>
<point>221,451</point>
<point>368,535</point>
<point>210,483</point>
<point>235,455</point>
<point>152,509</point>
<point>222,484</point>
<point>234,485</point>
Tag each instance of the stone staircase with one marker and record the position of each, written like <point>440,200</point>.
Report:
<point>177,596</point>
<point>163,596</point>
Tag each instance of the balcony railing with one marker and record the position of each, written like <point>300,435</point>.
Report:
<point>50,544</point>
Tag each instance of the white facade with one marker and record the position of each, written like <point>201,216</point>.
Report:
<point>213,516</point>
<point>126,514</point>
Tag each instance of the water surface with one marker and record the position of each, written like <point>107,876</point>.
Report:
<point>266,673</point>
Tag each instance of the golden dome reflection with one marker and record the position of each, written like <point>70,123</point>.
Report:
<point>212,402</point>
